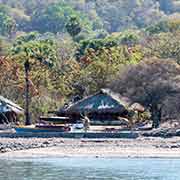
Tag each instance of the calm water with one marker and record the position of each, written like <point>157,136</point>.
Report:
<point>90,169</point>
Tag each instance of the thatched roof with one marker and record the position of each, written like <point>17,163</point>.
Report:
<point>8,106</point>
<point>105,101</point>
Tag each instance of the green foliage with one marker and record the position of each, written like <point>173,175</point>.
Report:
<point>101,34</point>
<point>41,105</point>
<point>129,38</point>
<point>7,23</point>
<point>112,16</point>
<point>73,26</point>
<point>166,45</point>
<point>95,44</point>
<point>54,18</point>
<point>101,67</point>
<point>4,8</point>
<point>170,25</point>
<point>29,46</point>
<point>26,38</point>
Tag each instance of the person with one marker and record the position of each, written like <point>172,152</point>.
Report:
<point>86,122</point>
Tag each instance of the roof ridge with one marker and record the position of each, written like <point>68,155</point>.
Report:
<point>10,103</point>
<point>115,96</point>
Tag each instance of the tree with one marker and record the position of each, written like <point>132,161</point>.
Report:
<point>95,44</point>
<point>115,14</point>
<point>161,26</point>
<point>10,84</point>
<point>129,38</point>
<point>119,15</point>
<point>35,48</point>
<point>73,26</point>
<point>165,45</point>
<point>41,54</point>
<point>147,13</point>
<point>150,83</point>
<point>7,24</point>
<point>169,25</point>
<point>52,72</point>
<point>100,67</point>
<point>54,18</point>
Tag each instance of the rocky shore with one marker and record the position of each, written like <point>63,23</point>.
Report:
<point>16,144</point>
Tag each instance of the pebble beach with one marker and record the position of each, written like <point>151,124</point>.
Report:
<point>62,147</point>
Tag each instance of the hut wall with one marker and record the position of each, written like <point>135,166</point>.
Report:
<point>99,119</point>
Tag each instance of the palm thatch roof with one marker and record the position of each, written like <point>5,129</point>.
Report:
<point>105,101</point>
<point>8,106</point>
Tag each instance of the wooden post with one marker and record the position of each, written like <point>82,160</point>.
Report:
<point>27,115</point>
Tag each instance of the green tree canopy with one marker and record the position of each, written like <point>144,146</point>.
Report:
<point>55,17</point>
<point>35,48</point>
<point>7,23</point>
<point>73,26</point>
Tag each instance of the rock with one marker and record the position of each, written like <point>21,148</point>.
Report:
<point>174,146</point>
<point>161,132</point>
<point>46,142</point>
<point>4,150</point>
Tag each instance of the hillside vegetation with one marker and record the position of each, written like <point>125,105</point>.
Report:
<point>76,47</point>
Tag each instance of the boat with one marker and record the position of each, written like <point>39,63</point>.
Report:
<point>41,128</point>
<point>46,124</point>
<point>54,119</point>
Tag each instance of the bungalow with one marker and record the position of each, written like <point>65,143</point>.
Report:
<point>9,111</point>
<point>104,107</point>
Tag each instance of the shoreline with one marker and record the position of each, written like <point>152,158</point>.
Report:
<point>124,153</point>
<point>82,148</point>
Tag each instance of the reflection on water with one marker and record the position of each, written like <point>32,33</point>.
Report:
<point>90,169</point>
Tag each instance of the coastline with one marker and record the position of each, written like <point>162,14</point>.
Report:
<point>105,148</point>
<point>123,153</point>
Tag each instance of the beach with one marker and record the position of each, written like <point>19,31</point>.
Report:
<point>142,147</point>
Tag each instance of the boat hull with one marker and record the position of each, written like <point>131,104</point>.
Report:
<point>38,130</point>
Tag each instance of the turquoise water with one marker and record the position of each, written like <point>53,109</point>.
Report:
<point>90,169</point>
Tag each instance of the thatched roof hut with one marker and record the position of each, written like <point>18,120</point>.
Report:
<point>103,105</point>
<point>9,110</point>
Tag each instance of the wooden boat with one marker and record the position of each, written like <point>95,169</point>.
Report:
<point>54,119</point>
<point>47,124</point>
<point>40,128</point>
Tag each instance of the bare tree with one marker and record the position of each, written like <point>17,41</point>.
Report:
<point>150,83</point>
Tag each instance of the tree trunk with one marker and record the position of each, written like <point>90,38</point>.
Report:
<point>156,116</point>
<point>27,115</point>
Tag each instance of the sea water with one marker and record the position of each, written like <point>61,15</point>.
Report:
<point>89,169</point>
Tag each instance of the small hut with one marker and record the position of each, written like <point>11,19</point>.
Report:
<point>9,111</point>
<point>102,107</point>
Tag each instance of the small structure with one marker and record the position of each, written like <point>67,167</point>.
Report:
<point>137,107</point>
<point>9,111</point>
<point>104,107</point>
